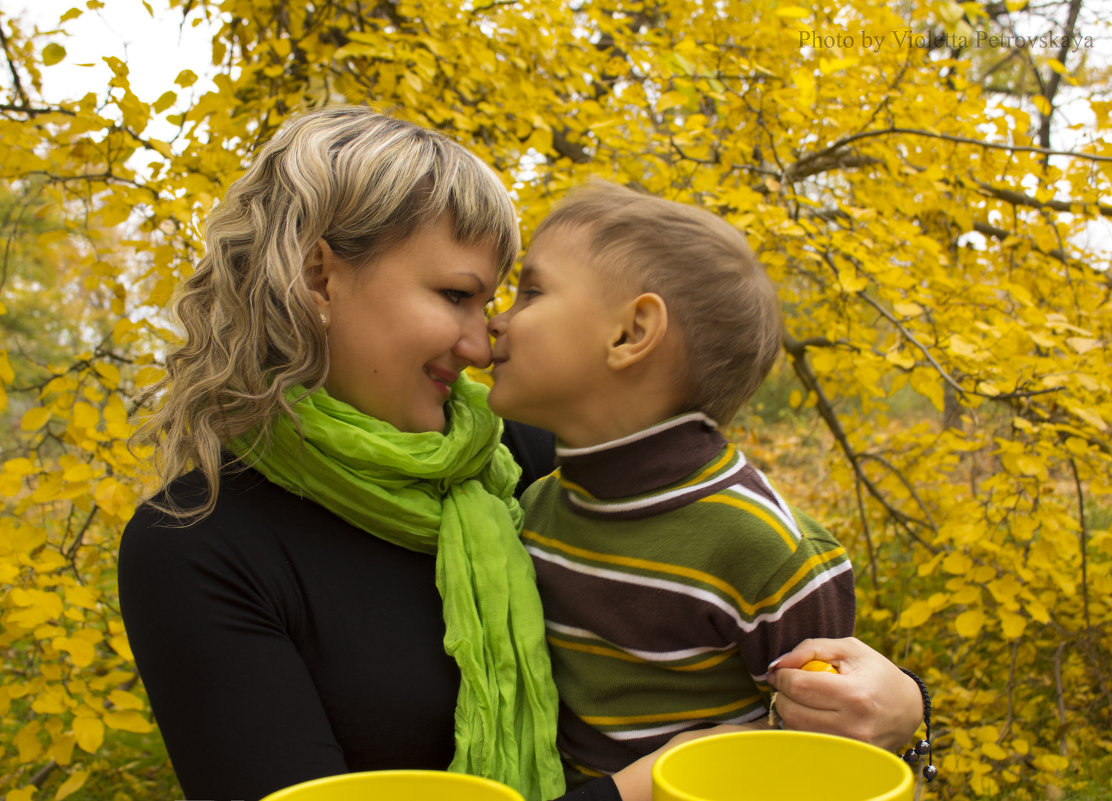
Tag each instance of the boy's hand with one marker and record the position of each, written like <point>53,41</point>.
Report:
<point>869,699</point>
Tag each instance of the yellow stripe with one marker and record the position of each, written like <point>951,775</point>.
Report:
<point>586,771</point>
<point>573,487</point>
<point>614,653</point>
<point>757,511</point>
<point>642,564</point>
<point>804,569</point>
<point>598,650</point>
<point>727,456</point>
<point>622,720</point>
<point>709,662</point>
<point>687,572</point>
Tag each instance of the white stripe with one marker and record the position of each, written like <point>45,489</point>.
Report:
<point>656,731</point>
<point>692,592</point>
<point>648,656</point>
<point>653,500</point>
<point>648,432</point>
<point>783,504</point>
<point>779,512</point>
<point>641,581</point>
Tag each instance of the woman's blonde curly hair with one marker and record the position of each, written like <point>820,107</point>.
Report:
<point>363,182</point>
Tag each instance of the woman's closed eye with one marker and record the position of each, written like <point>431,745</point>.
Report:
<point>457,296</point>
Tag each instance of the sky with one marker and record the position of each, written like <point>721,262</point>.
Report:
<point>124,29</point>
<point>164,47</point>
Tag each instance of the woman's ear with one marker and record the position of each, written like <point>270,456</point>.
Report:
<point>320,266</point>
<point>640,329</point>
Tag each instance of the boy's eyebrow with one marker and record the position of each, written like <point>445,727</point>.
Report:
<point>527,271</point>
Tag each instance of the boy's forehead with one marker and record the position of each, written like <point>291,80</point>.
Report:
<point>564,241</point>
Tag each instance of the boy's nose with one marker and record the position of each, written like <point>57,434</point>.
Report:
<point>496,326</point>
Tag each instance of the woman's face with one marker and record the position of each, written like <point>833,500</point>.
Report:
<point>402,328</point>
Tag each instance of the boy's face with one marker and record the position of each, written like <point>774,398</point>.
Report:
<point>550,346</point>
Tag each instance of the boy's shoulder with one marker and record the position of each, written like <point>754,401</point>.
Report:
<point>753,504</point>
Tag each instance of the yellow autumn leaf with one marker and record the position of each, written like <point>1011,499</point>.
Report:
<point>915,615</point>
<point>969,623</point>
<point>1051,763</point>
<point>35,418</point>
<point>146,376</point>
<point>125,700</point>
<point>120,645</point>
<point>164,101</point>
<point>27,742</point>
<point>128,720</point>
<point>61,748</point>
<point>52,54</point>
<point>993,751</point>
<point>929,384</point>
<point>957,563</point>
<point>71,785</point>
<point>78,473</point>
<point>89,732</point>
<point>1012,624</point>
<point>84,597</point>
<point>81,651</point>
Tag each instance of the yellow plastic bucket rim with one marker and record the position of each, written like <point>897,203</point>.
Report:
<point>293,790</point>
<point>904,787</point>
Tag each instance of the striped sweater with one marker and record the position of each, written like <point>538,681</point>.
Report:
<point>672,573</point>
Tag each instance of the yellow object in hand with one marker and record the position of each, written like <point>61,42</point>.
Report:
<point>818,666</point>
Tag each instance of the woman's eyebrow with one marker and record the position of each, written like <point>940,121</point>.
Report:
<point>475,277</point>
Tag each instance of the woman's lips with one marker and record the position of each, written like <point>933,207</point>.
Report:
<point>443,379</point>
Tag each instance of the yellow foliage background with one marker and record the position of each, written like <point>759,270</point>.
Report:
<point>945,398</point>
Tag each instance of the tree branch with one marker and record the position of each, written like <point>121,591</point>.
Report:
<point>1000,233</point>
<point>810,382</point>
<point>1051,90</point>
<point>1020,199</point>
<point>17,83</point>
<point>962,140</point>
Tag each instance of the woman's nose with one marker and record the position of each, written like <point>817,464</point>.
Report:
<point>474,343</point>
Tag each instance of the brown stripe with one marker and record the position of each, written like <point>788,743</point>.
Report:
<point>645,465</point>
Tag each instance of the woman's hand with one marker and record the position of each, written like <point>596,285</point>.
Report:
<point>635,783</point>
<point>870,699</point>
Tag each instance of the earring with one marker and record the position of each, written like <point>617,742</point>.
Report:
<point>323,320</point>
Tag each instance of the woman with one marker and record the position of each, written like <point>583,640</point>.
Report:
<point>338,584</point>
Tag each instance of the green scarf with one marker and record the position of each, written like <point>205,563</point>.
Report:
<point>450,494</point>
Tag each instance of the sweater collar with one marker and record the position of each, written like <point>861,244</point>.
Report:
<point>655,466</point>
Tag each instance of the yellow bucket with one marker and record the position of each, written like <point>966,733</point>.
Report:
<point>780,766</point>
<point>398,785</point>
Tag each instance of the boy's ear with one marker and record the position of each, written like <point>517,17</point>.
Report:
<point>640,329</point>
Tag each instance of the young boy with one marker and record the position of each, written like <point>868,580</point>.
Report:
<point>670,570</point>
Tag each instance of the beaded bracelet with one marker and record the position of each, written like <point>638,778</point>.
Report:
<point>923,747</point>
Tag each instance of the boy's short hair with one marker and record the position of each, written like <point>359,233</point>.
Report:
<point>715,289</point>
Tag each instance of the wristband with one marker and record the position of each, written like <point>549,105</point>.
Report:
<point>923,747</point>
